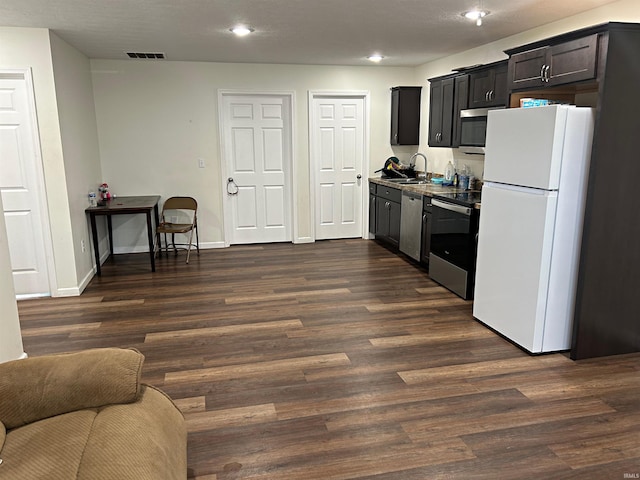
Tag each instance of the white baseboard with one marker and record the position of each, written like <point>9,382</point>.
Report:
<point>208,245</point>
<point>28,296</point>
<point>145,249</point>
<point>68,292</point>
<point>87,278</point>
<point>121,250</point>
<point>303,240</point>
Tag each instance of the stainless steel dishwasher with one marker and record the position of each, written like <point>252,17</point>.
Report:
<point>411,224</point>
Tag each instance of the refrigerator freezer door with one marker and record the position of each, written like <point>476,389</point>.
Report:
<point>524,146</point>
<point>514,260</point>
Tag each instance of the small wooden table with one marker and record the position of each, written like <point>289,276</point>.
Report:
<point>125,206</point>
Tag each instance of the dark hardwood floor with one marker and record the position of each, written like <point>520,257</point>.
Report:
<point>341,360</point>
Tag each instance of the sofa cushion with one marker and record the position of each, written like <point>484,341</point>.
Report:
<point>145,440</point>
<point>41,387</point>
<point>50,449</point>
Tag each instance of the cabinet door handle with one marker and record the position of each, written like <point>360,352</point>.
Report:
<point>486,97</point>
<point>544,73</point>
<point>490,94</point>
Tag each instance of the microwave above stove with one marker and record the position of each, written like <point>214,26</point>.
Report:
<point>473,129</point>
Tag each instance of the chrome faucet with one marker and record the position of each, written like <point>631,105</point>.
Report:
<point>412,161</point>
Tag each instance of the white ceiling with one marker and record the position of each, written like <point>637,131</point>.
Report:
<point>322,32</point>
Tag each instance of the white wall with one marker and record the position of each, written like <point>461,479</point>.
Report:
<point>620,11</point>
<point>30,47</point>
<point>79,136</point>
<point>155,118</point>
<point>10,338</point>
<point>69,143</point>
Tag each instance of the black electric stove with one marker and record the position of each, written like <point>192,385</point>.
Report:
<point>467,199</point>
<point>454,226</point>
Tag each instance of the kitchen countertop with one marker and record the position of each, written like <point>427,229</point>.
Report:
<point>428,189</point>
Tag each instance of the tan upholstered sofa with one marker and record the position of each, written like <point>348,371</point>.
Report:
<point>87,416</point>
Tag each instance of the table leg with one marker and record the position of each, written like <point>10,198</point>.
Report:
<point>94,235</point>
<point>110,229</point>
<point>157,236</point>
<point>156,214</point>
<point>150,235</point>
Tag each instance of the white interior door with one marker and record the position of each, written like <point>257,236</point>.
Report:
<point>21,186</point>
<point>256,144</point>
<point>337,156</point>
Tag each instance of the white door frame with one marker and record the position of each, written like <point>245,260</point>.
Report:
<point>26,74</point>
<point>365,96</point>
<point>290,175</point>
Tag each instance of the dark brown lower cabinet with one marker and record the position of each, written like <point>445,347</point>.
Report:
<point>388,221</point>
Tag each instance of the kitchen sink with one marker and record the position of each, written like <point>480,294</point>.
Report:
<point>405,181</point>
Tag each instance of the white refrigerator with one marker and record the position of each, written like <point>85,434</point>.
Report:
<point>535,180</point>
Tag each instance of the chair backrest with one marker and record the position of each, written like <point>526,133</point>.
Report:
<point>181,203</point>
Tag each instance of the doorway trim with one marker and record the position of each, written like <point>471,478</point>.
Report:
<point>290,175</point>
<point>340,94</point>
<point>26,74</point>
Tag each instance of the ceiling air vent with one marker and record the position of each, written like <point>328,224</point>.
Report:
<point>147,55</point>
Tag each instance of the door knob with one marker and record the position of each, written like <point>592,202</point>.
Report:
<point>358,176</point>
<point>232,187</point>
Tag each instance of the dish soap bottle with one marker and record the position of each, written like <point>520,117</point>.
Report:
<point>448,174</point>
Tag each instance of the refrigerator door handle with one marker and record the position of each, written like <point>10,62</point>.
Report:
<point>519,188</point>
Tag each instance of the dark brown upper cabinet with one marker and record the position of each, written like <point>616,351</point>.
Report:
<point>599,62</point>
<point>568,62</point>
<point>488,86</point>
<point>441,101</point>
<point>405,115</point>
<point>460,102</point>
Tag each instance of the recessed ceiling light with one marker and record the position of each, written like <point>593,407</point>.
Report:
<point>241,30</point>
<point>476,15</point>
<point>375,57</point>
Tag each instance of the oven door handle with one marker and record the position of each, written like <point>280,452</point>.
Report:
<point>452,207</point>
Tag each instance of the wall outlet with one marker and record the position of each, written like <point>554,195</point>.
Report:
<point>201,162</point>
<point>83,246</point>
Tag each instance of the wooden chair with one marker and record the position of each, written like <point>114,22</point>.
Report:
<point>178,209</point>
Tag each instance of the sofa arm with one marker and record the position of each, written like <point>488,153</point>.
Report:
<point>3,436</point>
<point>42,387</point>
